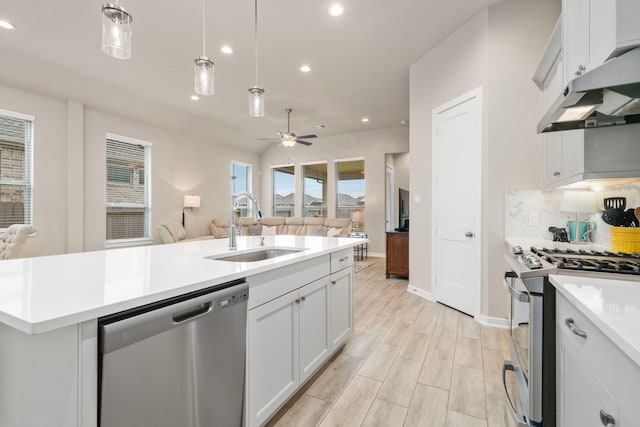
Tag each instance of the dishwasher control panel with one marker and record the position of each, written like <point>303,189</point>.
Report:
<point>229,300</point>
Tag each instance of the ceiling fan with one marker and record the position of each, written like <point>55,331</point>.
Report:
<point>288,138</point>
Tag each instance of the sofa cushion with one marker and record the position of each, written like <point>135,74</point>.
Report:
<point>171,232</point>
<point>255,229</point>
<point>277,221</point>
<point>321,232</point>
<point>313,224</point>
<point>344,224</point>
<point>269,231</point>
<point>296,226</point>
<point>333,232</point>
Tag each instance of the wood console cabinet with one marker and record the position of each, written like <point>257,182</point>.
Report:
<point>397,253</point>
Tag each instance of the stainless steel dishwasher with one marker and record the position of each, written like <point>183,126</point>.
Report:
<point>175,363</point>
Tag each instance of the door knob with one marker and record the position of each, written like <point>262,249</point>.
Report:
<point>469,234</point>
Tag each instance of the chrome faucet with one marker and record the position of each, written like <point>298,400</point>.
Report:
<point>233,242</point>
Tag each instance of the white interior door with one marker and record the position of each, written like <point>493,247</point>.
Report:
<point>456,202</point>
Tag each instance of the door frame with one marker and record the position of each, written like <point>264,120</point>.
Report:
<point>477,265</point>
<point>389,185</point>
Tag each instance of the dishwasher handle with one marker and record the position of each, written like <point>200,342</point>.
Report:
<point>192,313</point>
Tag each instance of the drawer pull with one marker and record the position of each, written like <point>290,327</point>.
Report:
<point>344,258</point>
<point>572,327</point>
<point>607,419</point>
<point>303,299</point>
<point>333,282</point>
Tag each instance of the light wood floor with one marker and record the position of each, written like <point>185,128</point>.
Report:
<point>410,362</point>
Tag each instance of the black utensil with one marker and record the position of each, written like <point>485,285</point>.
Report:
<point>559,234</point>
<point>615,203</point>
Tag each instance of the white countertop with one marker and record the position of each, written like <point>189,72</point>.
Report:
<point>45,293</point>
<point>612,305</point>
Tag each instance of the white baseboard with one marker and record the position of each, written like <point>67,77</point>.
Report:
<point>496,322</point>
<point>420,292</point>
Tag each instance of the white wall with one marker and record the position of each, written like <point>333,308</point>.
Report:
<point>497,50</point>
<point>370,145</point>
<point>69,191</point>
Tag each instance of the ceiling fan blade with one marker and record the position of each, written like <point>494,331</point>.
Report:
<point>267,139</point>
<point>307,136</point>
<point>299,141</point>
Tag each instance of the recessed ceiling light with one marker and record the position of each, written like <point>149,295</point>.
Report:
<point>305,68</point>
<point>7,25</point>
<point>226,49</point>
<point>336,9</point>
<point>365,119</point>
<point>195,97</point>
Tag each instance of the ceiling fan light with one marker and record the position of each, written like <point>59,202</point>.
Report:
<point>116,31</point>
<point>203,75</point>
<point>288,142</point>
<point>256,101</point>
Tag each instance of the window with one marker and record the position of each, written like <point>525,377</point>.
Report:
<point>284,192</point>
<point>350,192</point>
<point>241,183</point>
<point>314,188</point>
<point>128,188</point>
<point>16,145</point>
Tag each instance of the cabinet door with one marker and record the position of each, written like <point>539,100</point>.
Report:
<point>341,318</point>
<point>581,395</point>
<point>572,153</point>
<point>602,30</point>
<point>272,356</point>
<point>553,140</point>
<point>575,36</point>
<point>314,326</point>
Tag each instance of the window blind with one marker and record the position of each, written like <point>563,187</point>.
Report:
<point>128,192</point>
<point>16,144</point>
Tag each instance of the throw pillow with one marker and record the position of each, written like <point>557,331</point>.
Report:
<point>321,231</point>
<point>333,232</point>
<point>255,229</point>
<point>268,231</point>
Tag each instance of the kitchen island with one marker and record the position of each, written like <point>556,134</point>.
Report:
<point>597,351</point>
<point>49,308</point>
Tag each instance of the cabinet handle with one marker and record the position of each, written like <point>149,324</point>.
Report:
<point>572,327</point>
<point>468,234</point>
<point>581,69</point>
<point>333,282</point>
<point>556,173</point>
<point>298,301</point>
<point>343,259</point>
<point>303,298</point>
<point>607,419</point>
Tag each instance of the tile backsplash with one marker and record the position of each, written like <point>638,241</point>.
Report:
<point>524,207</point>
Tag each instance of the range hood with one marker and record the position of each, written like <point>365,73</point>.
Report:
<point>605,96</point>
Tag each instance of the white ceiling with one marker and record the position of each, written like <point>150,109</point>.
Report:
<point>359,61</point>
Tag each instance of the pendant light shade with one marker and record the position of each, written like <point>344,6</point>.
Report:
<point>204,69</point>
<point>116,31</point>
<point>256,101</point>
<point>256,93</point>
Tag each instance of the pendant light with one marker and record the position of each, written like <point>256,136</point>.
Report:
<point>203,67</point>
<point>116,31</point>
<point>256,93</point>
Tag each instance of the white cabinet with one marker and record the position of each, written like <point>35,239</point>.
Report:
<point>596,30</point>
<point>288,339</point>
<point>272,356</point>
<point>341,316</point>
<point>595,379</point>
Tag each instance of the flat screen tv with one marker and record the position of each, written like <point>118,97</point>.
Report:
<point>403,213</point>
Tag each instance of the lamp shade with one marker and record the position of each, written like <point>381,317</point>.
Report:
<point>191,201</point>
<point>256,102</point>
<point>116,31</point>
<point>203,70</point>
<point>578,201</point>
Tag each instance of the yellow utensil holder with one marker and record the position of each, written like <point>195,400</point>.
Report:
<point>625,239</point>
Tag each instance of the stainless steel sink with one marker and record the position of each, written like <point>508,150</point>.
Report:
<point>253,256</point>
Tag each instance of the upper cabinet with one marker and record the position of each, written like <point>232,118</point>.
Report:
<point>597,30</point>
<point>588,33</point>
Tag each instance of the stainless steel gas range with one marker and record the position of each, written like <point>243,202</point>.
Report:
<point>532,321</point>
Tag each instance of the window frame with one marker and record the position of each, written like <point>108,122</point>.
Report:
<point>246,206</point>
<point>27,182</point>
<point>325,206</point>
<point>136,241</point>
<point>337,191</point>
<point>273,188</point>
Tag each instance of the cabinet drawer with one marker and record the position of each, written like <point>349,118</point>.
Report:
<point>341,259</point>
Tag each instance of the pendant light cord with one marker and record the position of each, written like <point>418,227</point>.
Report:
<point>255,36</point>
<point>203,31</point>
